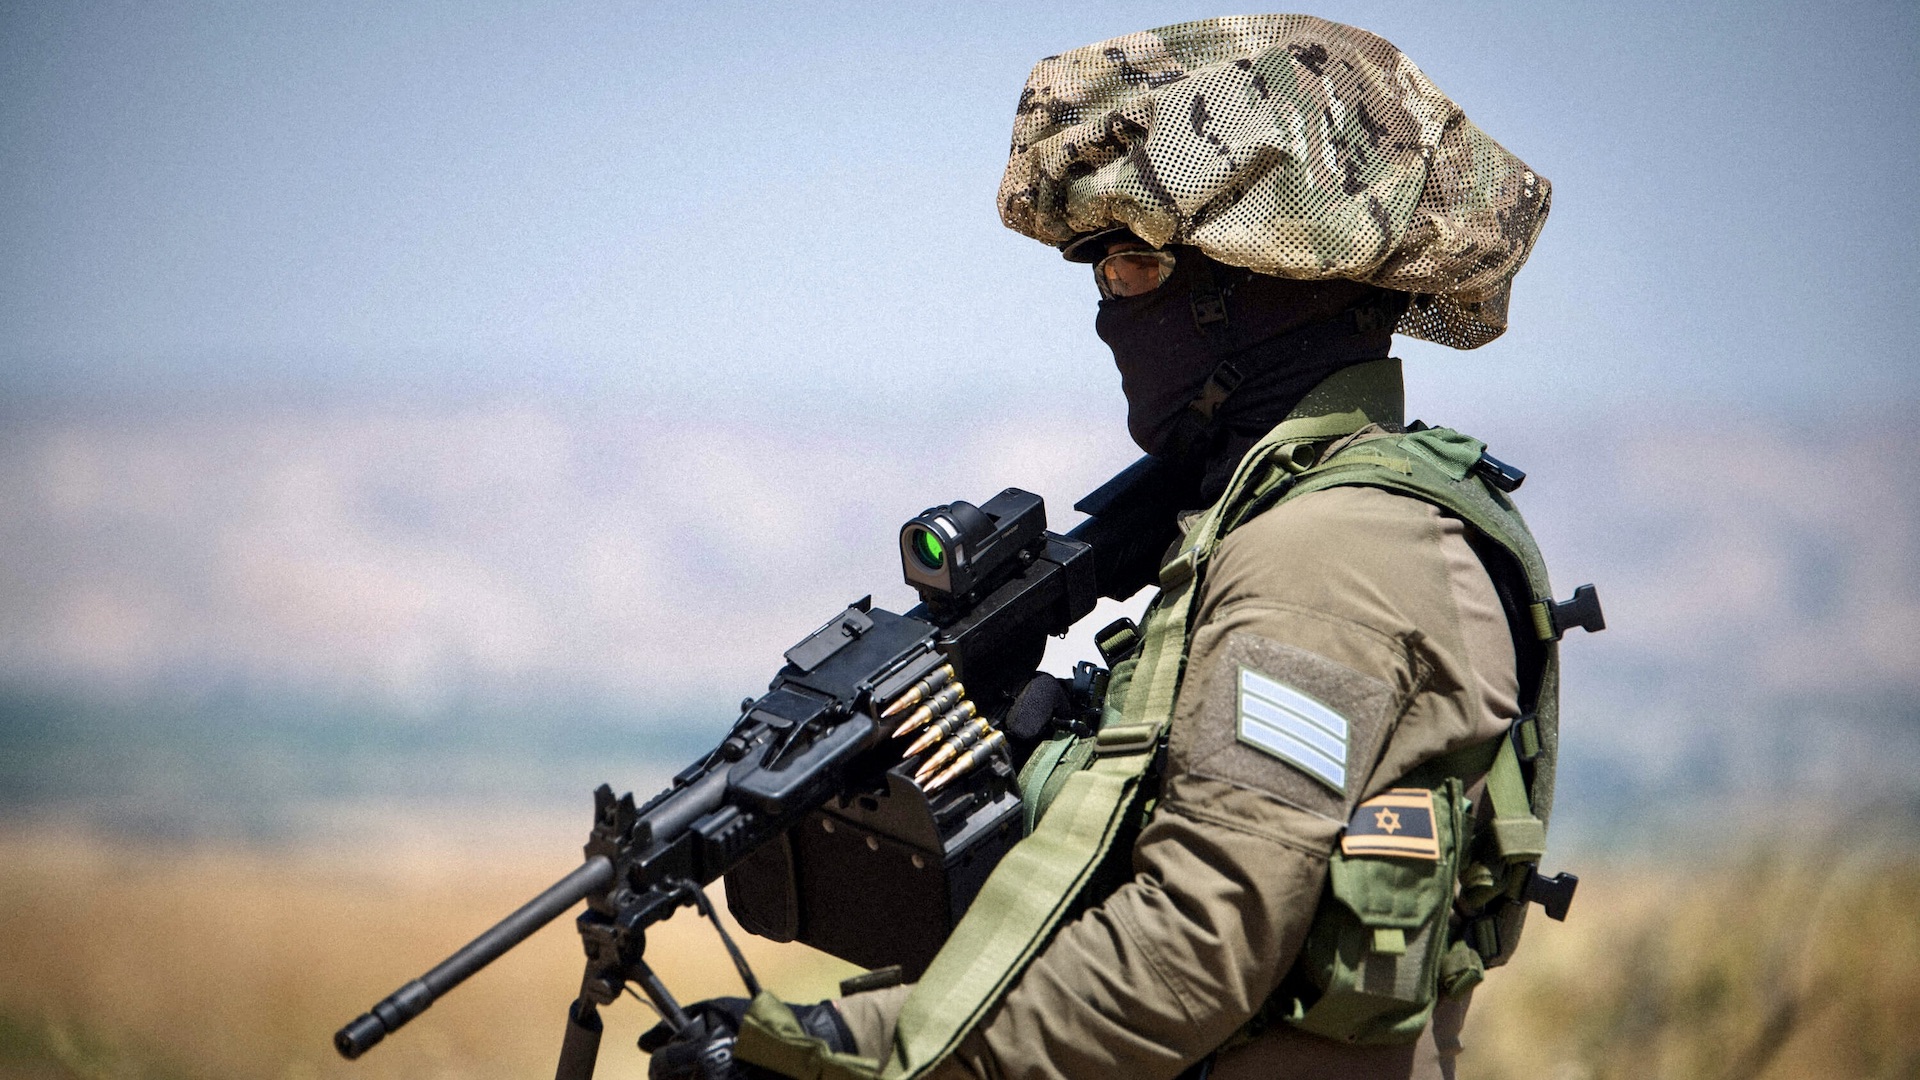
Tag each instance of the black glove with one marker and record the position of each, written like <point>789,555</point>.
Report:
<point>1040,705</point>
<point>703,1050</point>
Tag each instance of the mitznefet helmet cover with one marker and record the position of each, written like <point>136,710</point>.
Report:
<point>1287,145</point>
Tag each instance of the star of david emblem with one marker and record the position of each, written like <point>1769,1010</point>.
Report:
<point>1386,821</point>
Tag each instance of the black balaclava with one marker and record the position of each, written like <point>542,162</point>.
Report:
<point>1283,336</point>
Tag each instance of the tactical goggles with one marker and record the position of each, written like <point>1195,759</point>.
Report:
<point>1132,273</point>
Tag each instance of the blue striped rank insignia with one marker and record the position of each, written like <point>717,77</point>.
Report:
<point>1279,720</point>
<point>1398,821</point>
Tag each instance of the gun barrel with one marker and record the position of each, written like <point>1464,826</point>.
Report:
<point>412,999</point>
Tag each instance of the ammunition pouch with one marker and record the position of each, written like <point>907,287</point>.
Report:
<point>1381,950</point>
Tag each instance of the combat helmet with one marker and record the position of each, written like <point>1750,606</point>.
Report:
<point>1283,144</point>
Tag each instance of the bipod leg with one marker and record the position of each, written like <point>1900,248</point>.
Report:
<point>657,993</point>
<point>600,985</point>
<point>581,1050</point>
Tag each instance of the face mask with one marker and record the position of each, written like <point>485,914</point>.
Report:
<point>1280,333</point>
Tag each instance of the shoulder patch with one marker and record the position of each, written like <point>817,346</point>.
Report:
<point>1282,721</point>
<point>1277,719</point>
<point>1397,822</point>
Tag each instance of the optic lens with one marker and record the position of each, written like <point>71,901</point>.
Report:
<point>928,549</point>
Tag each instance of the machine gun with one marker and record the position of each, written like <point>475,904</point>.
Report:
<point>816,807</point>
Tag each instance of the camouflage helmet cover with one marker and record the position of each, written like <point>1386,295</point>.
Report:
<point>1287,145</point>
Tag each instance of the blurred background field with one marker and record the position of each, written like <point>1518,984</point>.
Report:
<point>130,962</point>
<point>413,415</point>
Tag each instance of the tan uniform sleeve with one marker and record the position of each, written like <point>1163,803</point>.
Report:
<point>870,1017</point>
<point>1369,603</point>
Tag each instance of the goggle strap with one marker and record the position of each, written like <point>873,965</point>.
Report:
<point>1194,430</point>
<point>1209,306</point>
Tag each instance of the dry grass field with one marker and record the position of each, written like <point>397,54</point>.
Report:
<point>1768,965</point>
<point>123,962</point>
<point>129,964</point>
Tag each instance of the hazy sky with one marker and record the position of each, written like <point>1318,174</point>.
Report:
<point>743,205</point>
<point>426,355</point>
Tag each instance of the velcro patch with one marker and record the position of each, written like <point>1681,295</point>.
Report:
<point>1398,822</point>
<point>1279,720</point>
<point>1234,731</point>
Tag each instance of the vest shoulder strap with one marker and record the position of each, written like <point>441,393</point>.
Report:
<point>1438,465</point>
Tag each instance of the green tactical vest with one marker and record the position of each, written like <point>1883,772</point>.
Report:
<point>1383,946</point>
<point>1391,936</point>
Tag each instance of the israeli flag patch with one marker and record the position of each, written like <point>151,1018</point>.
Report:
<point>1397,822</point>
<point>1276,719</point>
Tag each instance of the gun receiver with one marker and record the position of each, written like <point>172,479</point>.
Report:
<point>810,770</point>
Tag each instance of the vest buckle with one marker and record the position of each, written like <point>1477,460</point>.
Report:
<point>1499,473</point>
<point>1582,611</point>
<point>1553,894</point>
<point>1525,733</point>
<point>1117,640</point>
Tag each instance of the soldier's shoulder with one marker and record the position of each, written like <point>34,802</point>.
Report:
<point>1361,553</point>
<point>1345,523</point>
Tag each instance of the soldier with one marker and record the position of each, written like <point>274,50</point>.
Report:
<point>1352,657</point>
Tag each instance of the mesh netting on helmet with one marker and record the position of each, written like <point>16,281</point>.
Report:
<point>1285,144</point>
